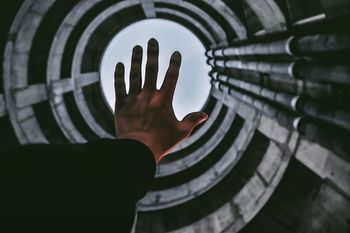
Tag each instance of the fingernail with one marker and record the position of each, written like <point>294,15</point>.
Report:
<point>177,54</point>
<point>176,58</point>
<point>120,66</point>
<point>137,49</point>
<point>153,42</point>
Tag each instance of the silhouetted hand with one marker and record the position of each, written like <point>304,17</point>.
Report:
<point>147,114</point>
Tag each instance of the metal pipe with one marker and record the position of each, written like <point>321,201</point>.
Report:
<point>300,69</point>
<point>262,67</point>
<point>297,104</point>
<point>308,45</point>
<point>293,46</point>
<point>331,137</point>
<point>338,74</point>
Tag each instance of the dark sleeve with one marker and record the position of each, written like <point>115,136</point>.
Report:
<point>105,177</point>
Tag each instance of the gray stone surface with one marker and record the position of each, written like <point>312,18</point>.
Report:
<point>230,17</point>
<point>33,131</point>
<point>30,95</point>
<point>3,110</point>
<point>325,164</point>
<point>272,160</point>
<point>329,212</point>
<point>82,79</point>
<point>41,6</point>
<point>62,86</point>
<point>195,157</point>
<point>16,60</point>
<point>59,85</point>
<point>217,30</point>
<point>247,112</point>
<point>148,8</point>
<point>203,183</point>
<point>203,129</point>
<point>192,21</point>
<point>271,129</point>
<point>87,79</point>
<point>215,222</point>
<point>269,14</point>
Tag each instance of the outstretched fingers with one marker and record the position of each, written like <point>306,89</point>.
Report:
<point>135,71</point>
<point>119,85</point>
<point>152,65</point>
<point>171,77</point>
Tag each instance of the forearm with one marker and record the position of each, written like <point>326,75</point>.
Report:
<point>97,174</point>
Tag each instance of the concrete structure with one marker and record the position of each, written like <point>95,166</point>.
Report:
<point>274,155</point>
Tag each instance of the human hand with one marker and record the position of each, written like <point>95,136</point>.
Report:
<point>147,114</point>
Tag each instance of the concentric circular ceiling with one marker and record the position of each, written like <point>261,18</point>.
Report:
<point>271,157</point>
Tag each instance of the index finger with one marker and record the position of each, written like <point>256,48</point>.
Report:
<point>119,85</point>
<point>171,77</point>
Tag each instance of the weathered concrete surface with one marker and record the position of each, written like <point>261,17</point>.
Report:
<point>3,110</point>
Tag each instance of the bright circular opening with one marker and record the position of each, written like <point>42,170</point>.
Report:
<point>193,86</point>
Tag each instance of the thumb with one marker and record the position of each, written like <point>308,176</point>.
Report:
<point>193,119</point>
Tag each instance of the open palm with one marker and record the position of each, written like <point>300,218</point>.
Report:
<point>146,114</point>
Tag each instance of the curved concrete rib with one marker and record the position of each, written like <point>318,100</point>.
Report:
<point>54,70</point>
<point>190,160</point>
<point>15,69</point>
<point>156,200</point>
<point>192,21</point>
<point>230,17</point>
<point>77,61</point>
<point>209,123</point>
<point>269,14</point>
<point>3,109</point>
<point>148,8</point>
<point>232,216</point>
<point>219,33</point>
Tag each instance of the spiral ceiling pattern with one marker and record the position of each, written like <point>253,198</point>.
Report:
<point>274,154</point>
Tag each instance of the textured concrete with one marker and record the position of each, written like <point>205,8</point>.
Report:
<point>217,31</point>
<point>232,216</point>
<point>269,14</point>
<point>3,110</point>
<point>77,61</point>
<point>86,79</point>
<point>215,222</point>
<point>15,70</point>
<point>325,164</point>
<point>30,127</point>
<point>148,8</point>
<point>230,17</point>
<point>60,86</point>
<point>30,95</point>
<point>270,128</point>
<point>329,212</point>
<point>336,8</point>
<point>192,21</point>
<point>201,153</point>
<point>203,129</point>
<point>159,199</point>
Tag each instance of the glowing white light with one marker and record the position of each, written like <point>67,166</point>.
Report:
<point>193,86</point>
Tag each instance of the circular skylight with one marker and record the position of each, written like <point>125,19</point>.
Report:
<point>193,86</point>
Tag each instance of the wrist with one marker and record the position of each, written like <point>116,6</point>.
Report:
<point>147,140</point>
